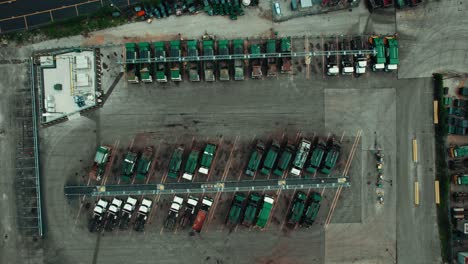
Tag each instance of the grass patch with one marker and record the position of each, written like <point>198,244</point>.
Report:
<point>83,25</point>
<point>442,174</point>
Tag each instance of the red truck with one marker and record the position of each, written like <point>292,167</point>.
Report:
<point>202,213</point>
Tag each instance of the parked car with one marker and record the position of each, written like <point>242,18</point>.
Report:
<point>277,9</point>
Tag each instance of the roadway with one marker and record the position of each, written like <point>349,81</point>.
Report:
<point>202,187</point>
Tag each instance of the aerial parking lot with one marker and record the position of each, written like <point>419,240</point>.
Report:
<point>222,141</point>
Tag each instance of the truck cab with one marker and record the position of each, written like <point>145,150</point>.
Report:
<point>175,163</point>
<point>379,58</point>
<point>332,65</point>
<point>191,165</point>
<point>346,59</point>
<point>113,214</point>
<point>189,211</point>
<point>97,220</point>
<point>128,166</point>
<point>142,215</point>
<point>100,162</point>
<point>171,218</point>
<point>301,157</point>
<point>127,212</point>
<point>360,60</point>
<point>391,52</point>
<point>265,212</point>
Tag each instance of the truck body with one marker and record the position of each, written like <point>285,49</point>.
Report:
<point>113,214</point>
<point>251,210</point>
<point>333,152</point>
<point>191,165</point>
<point>378,60</point>
<point>286,65</point>
<point>312,209</point>
<point>209,65</point>
<point>202,213</point>
<point>391,50</point>
<point>189,212</point>
<point>297,208</point>
<point>175,162</point>
<point>97,220</point>
<point>238,63</point>
<point>100,162</point>
<point>272,70</point>
<point>175,65</point>
<point>284,161</point>
<point>131,68</point>
<point>460,179</point>
<point>160,53</point>
<point>145,55</point>
<point>193,69</point>
<point>127,212</point>
<point>128,166</point>
<point>270,158</point>
<point>458,152</point>
<point>265,211</point>
<point>256,61</point>
<point>171,218</point>
<point>235,213</point>
<point>144,163</point>
<point>223,49</point>
<point>346,60</point>
<point>332,66</point>
<point>142,214</point>
<point>301,157</point>
<point>255,159</point>
<point>316,158</point>
<point>207,159</point>
<point>360,60</point>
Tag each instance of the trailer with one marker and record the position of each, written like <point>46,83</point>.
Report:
<point>301,157</point>
<point>160,53</point>
<point>238,63</point>
<point>332,65</point>
<point>128,166</point>
<point>193,68</point>
<point>391,52</point>
<point>142,214</point>
<point>255,159</point>
<point>256,61</point>
<point>209,65</point>
<point>251,211</point>
<point>284,161</point>
<point>272,62</point>
<point>316,158</point>
<point>144,163</point>
<point>360,60</point>
<point>378,60</point>
<point>312,209</point>
<point>346,59</point>
<point>237,206</point>
<point>113,214</point>
<point>171,218</point>
<point>202,213</point>
<point>131,69</point>
<point>101,158</point>
<point>223,50</point>
<point>270,158</point>
<point>191,165</point>
<point>286,65</point>
<point>176,161</point>
<point>97,220</point>
<point>188,215</point>
<point>333,152</point>
<point>175,65</point>
<point>145,69</point>
<point>127,212</point>
<point>297,209</point>
<point>207,159</point>
<point>265,211</point>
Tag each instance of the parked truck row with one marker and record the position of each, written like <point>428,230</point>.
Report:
<point>286,158</point>
<point>267,58</point>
